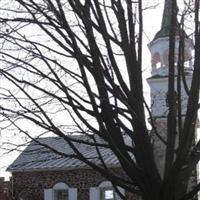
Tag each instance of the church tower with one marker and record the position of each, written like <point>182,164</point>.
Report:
<point>158,82</point>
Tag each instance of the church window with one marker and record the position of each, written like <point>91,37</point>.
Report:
<point>107,194</point>
<point>105,191</point>
<point>60,191</point>
<point>60,195</point>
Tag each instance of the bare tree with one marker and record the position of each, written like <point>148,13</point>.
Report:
<point>82,61</point>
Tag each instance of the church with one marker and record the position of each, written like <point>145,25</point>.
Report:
<point>39,173</point>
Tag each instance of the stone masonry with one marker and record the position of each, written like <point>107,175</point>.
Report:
<point>4,189</point>
<point>31,185</point>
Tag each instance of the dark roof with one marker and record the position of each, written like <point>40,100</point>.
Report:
<point>166,22</point>
<point>37,157</point>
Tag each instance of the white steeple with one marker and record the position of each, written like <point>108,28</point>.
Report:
<point>159,46</point>
<point>158,82</point>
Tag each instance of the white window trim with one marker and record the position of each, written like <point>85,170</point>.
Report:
<point>49,193</point>
<point>60,186</point>
<point>95,192</point>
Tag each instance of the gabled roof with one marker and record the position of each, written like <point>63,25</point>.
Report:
<point>39,158</point>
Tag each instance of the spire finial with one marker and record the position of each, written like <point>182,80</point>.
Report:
<point>166,19</point>
<point>167,14</point>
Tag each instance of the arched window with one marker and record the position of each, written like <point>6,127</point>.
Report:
<point>105,191</point>
<point>155,59</point>
<point>60,191</point>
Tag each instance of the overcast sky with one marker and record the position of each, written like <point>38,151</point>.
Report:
<point>152,21</point>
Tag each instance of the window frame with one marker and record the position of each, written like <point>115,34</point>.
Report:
<point>72,192</point>
<point>60,187</point>
<point>103,193</point>
<point>56,193</point>
<point>96,193</point>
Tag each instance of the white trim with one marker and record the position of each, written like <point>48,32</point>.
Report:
<point>60,186</point>
<point>122,191</point>
<point>72,193</point>
<point>48,194</point>
<point>105,184</point>
<point>94,193</point>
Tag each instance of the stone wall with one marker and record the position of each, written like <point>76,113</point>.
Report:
<point>31,185</point>
<point>4,189</point>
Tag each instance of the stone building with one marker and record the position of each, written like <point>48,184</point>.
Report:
<point>39,174</point>
<point>158,81</point>
<point>43,174</point>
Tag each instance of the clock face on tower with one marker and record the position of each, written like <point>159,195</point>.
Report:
<point>175,99</point>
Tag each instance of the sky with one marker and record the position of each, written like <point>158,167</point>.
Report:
<point>152,21</point>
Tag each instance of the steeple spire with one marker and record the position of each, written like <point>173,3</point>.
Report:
<point>166,20</point>
<point>159,46</point>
